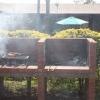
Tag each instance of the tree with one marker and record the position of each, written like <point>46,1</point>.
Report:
<point>47,29</point>
<point>38,15</point>
<point>84,1</point>
<point>89,2</point>
<point>57,4</point>
<point>91,18</point>
<point>27,22</point>
<point>47,7</point>
<point>19,21</point>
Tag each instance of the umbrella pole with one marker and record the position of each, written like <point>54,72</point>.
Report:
<point>80,26</point>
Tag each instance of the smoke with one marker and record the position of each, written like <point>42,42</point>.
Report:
<point>16,16</point>
<point>11,19</point>
<point>3,42</point>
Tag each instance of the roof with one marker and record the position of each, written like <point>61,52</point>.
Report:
<point>62,8</point>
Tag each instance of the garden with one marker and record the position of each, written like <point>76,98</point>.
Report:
<point>57,88</point>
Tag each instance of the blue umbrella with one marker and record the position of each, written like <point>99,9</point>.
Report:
<point>72,21</point>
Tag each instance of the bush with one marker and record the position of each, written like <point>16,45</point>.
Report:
<point>23,33</point>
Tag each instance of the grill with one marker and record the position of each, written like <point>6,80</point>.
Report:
<point>15,59</point>
<point>66,52</point>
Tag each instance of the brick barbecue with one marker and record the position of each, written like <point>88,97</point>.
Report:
<point>67,58</point>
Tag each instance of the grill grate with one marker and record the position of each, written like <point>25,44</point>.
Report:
<point>15,60</point>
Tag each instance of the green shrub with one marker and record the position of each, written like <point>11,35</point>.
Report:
<point>23,33</point>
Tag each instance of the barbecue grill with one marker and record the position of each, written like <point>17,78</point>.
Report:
<point>15,59</point>
<point>66,52</point>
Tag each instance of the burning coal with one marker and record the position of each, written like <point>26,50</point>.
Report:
<point>77,61</point>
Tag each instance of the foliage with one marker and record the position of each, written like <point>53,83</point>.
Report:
<point>16,21</point>
<point>63,85</point>
<point>23,33</point>
<point>85,1</point>
<point>27,22</point>
<point>18,85</point>
<point>98,83</point>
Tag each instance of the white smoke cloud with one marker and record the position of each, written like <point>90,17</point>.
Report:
<point>3,42</point>
<point>11,21</point>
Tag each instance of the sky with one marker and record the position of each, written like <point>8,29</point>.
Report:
<point>41,1</point>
